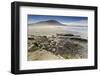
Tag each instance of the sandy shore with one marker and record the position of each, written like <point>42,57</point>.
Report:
<point>42,55</point>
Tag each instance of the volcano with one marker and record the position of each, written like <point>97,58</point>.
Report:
<point>48,22</point>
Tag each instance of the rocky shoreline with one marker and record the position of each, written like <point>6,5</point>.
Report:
<point>67,46</point>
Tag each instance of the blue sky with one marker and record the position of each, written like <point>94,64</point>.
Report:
<point>61,19</point>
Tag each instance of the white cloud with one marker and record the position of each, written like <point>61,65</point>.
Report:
<point>80,23</point>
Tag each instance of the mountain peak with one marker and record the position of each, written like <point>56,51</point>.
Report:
<point>51,22</point>
<point>48,22</point>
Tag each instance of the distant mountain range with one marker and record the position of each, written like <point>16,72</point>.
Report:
<point>55,23</point>
<point>48,22</point>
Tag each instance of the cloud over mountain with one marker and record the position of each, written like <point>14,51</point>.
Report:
<point>79,23</point>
